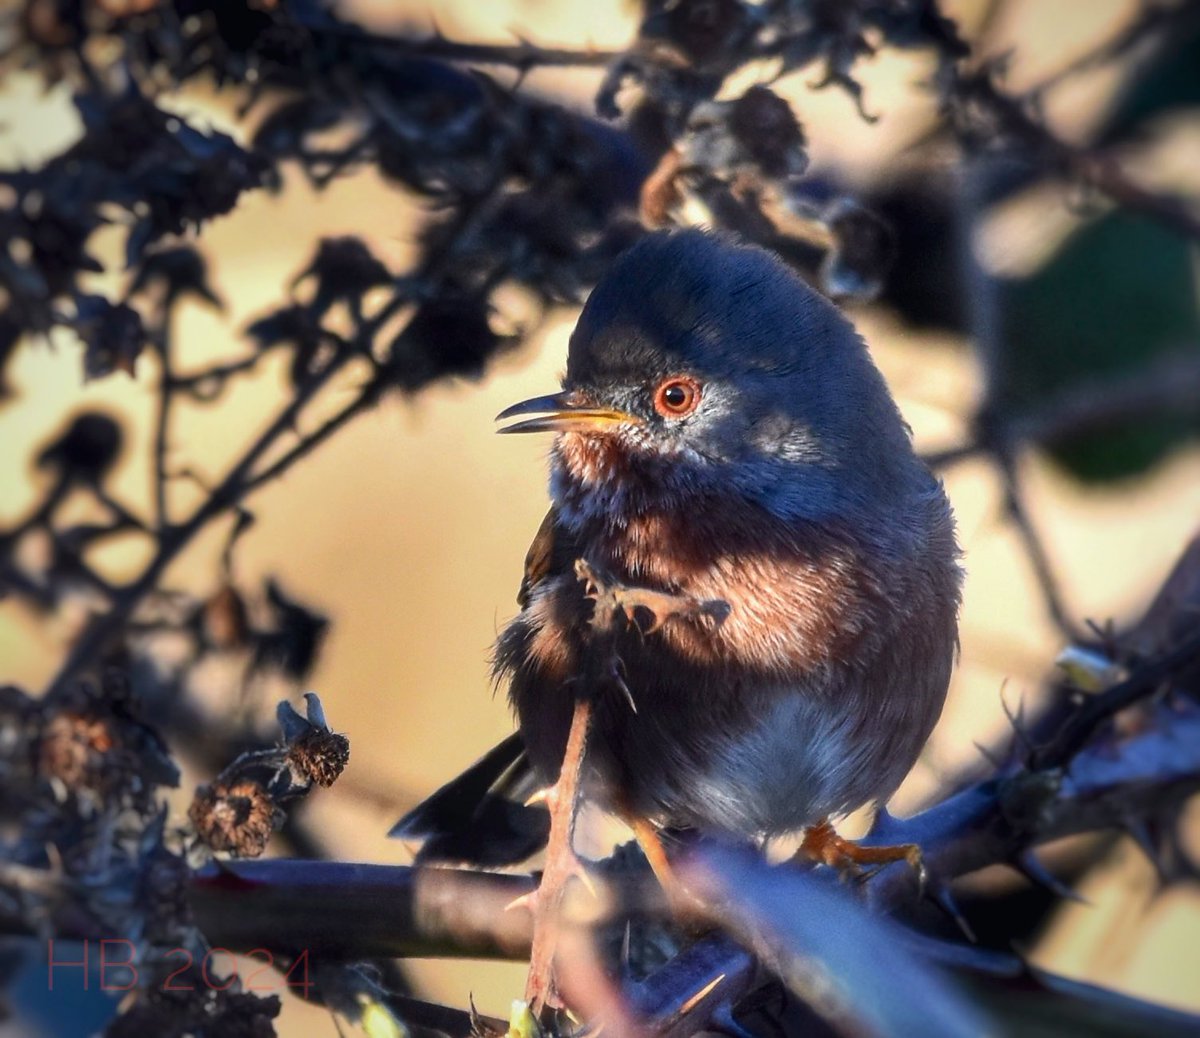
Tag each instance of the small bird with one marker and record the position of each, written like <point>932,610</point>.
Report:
<point>746,572</point>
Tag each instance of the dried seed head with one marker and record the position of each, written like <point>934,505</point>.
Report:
<point>763,123</point>
<point>77,750</point>
<point>238,818</point>
<point>319,756</point>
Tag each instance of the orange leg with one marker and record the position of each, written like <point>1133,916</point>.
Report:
<point>822,844</point>
<point>656,854</point>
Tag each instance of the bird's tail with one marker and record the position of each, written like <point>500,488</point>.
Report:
<point>480,817</point>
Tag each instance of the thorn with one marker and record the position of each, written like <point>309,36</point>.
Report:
<point>546,795</point>
<point>527,901</point>
<point>473,1015</point>
<point>1017,720</point>
<point>524,67</point>
<point>615,674</point>
<point>939,894</point>
<point>988,755</point>
<point>691,1003</point>
<point>580,873</point>
<point>1031,867</point>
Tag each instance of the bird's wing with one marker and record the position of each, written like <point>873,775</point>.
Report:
<point>480,816</point>
<point>540,557</point>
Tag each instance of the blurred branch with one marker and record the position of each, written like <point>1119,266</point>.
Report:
<point>165,396</point>
<point>1156,18</point>
<point>367,398</point>
<point>1171,386</point>
<point>989,343</point>
<point>241,479</point>
<point>208,382</point>
<point>174,539</point>
<point>524,55</point>
<point>362,911</point>
<point>1039,558</point>
<point>1012,127</point>
<point>1082,725</point>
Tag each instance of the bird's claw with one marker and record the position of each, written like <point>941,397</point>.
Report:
<point>824,846</point>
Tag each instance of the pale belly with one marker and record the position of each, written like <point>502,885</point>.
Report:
<point>720,747</point>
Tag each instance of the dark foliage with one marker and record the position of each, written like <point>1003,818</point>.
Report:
<point>519,191</point>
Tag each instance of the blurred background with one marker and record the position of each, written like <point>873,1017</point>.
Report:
<point>408,528</point>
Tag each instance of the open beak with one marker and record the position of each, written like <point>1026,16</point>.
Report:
<point>561,412</point>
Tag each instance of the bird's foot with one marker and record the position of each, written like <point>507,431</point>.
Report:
<point>642,607</point>
<point>823,845</point>
<point>679,898</point>
<point>562,865</point>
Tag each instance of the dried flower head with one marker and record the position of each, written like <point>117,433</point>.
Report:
<point>319,756</point>
<point>76,749</point>
<point>237,818</point>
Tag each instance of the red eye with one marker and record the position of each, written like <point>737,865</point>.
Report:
<point>677,396</point>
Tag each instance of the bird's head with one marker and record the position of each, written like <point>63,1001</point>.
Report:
<point>702,366</point>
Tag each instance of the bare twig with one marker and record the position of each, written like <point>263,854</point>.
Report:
<point>523,55</point>
<point>1171,386</point>
<point>1097,169</point>
<point>1039,558</point>
<point>174,539</point>
<point>209,381</point>
<point>367,397</point>
<point>1154,19</point>
<point>242,478</point>
<point>166,396</point>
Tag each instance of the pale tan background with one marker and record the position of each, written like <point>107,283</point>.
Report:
<point>409,528</point>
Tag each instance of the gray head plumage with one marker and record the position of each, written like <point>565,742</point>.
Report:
<point>790,392</point>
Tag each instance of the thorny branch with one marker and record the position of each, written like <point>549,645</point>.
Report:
<point>355,911</point>
<point>427,911</point>
<point>518,192</point>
